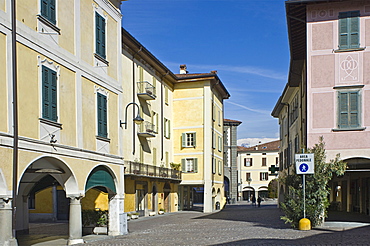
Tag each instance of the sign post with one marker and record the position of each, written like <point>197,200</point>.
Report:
<point>305,164</point>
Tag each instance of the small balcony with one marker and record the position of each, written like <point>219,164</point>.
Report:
<point>147,130</point>
<point>144,170</point>
<point>146,90</point>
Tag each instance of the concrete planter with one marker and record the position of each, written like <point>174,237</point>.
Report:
<point>100,230</point>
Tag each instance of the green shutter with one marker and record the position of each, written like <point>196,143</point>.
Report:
<point>194,139</point>
<point>343,110</point>
<point>183,167</point>
<point>169,129</point>
<point>349,30</point>
<point>195,165</point>
<point>183,140</point>
<point>355,29</point>
<point>52,11</point>
<point>353,107</point>
<point>102,115</point>
<point>100,35</point>
<point>53,95</point>
<point>45,93</point>
<point>165,127</point>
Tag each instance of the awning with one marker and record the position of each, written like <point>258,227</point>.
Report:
<point>100,177</point>
<point>248,189</point>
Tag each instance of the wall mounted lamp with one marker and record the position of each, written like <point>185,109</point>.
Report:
<point>138,120</point>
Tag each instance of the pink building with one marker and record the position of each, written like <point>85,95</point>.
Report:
<point>328,92</point>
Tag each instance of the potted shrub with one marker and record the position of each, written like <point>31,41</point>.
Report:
<point>95,221</point>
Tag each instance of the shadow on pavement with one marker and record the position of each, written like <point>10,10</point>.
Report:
<point>247,213</point>
<point>357,236</point>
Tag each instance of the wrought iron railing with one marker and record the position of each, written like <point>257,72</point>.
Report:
<point>140,169</point>
<point>147,127</point>
<point>146,88</point>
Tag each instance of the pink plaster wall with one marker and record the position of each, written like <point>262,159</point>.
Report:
<point>322,71</point>
<point>366,66</point>
<point>322,36</point>
<point>342,140</point>
<point>323,110</point>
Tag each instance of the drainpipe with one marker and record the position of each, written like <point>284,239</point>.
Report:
<point>162,110</point>
<point>133,96</point>
<point>15,115</point>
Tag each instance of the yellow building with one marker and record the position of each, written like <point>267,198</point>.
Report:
<point>151,183</point>
<point>62,136</point>
<point>254,169</point>
<point>198,139</point>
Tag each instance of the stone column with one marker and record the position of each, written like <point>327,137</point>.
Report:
<point>6,237</point>
<point>116,226</point>
<point>75,221</point>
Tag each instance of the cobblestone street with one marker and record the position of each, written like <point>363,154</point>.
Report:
<point>239,224</point>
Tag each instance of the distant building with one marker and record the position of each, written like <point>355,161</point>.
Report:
<point>254,163</point>
<point>327,93</point>
<point>230,159</point>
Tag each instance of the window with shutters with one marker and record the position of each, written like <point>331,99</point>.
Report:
<point>264,176</point>
<point>189,165</point>
<point>349,30</point>
<point>349,109</point>
<point>100,36</point>
<point>102,115</point>
<point>248,162</point>
<point>49,94</point>
<point>188,139</point>
<point>213,165</point>
<point>248,177</point>
<point>264,162</point>
<point>220,143</point>
<point>48,10</point>
<point>219,168</point>
<point>155,121</point>
<point>167,128</point>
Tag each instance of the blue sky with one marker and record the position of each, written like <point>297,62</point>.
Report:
<point>244,40</point>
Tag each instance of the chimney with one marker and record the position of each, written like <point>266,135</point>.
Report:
<point>214,71</point>
<point>183,69</point>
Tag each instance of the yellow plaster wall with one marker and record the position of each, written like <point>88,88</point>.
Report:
<point>112,54</point>
<point>129,195</point>
<point>28,92</point>
<point>6,157</point>
<point>44,201</point>
<point>89,114</point>
<point>87,31</point>
<point>2,5</point>
<point>66,23</point>
<point>113,123</point>
<point>27,11</point>
<point>3,84</point>
<point>95,199</point>
<point>67,106</point>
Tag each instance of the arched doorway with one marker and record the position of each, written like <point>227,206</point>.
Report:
<point>100,188</point>
<point>44,195</point>
<point>263,192</point>
<point>248,192</point>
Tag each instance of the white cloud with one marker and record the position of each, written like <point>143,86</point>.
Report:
<point>249,142</point>
<point>250,109</point>
<point>238,69</point>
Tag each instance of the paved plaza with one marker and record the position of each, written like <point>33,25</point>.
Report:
<point>239,224</point>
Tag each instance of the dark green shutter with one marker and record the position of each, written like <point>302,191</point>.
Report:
<point>355,29</point>
<point>183,167</point>
<point>44,8</point>
<point>194,139</point>
<point>195,165</point>
<point>100,35</point>
<point>343,110</point>
<point>343,30</point>
<point>102,115</point>
<point>52,11</point>
<point>49,94</point>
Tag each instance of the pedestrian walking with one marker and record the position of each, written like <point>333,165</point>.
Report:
<point>253,200</point>
<point>259,201</point>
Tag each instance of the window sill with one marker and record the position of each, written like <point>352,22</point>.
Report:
<point>105,139</point>
<point>48,23</point>
<point>101,59</point>
<point>50,122</point>
<point>348,129</point>
<point>349,50</point>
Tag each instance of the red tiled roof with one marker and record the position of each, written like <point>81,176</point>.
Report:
<point>270,146</point>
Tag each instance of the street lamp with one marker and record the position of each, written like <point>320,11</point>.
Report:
<point>138,120</point>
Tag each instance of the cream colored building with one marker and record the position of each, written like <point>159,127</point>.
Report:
<point>69,85</point>
<point>198,138</point>
<point>254,164</point>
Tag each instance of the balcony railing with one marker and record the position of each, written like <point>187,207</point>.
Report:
<point>147,129</point>
<point>140,169</point>
<point>146,90</point>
